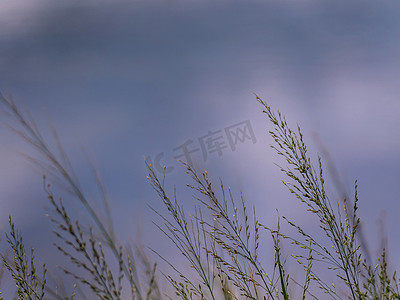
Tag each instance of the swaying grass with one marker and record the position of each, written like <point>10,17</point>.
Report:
<point>23,269</point>
<point>221,240</point>
<point>82,244</point>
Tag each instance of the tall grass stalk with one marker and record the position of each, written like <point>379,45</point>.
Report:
<point>76,239</point>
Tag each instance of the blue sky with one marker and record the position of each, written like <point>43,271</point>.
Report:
<point>128,79</point>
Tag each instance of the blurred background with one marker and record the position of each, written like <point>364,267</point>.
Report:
<point>129,80</point>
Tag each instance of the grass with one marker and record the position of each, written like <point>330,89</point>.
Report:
<point>222,240</point>
<point>22,269</point>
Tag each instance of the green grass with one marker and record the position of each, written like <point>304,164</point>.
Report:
<point>222,240</point>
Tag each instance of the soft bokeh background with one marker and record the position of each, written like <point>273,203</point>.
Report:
<point>131,79</point>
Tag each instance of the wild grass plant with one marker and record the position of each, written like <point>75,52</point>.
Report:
<point>23,269</point>
<point>83,243</point>
<point>223,240</point>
